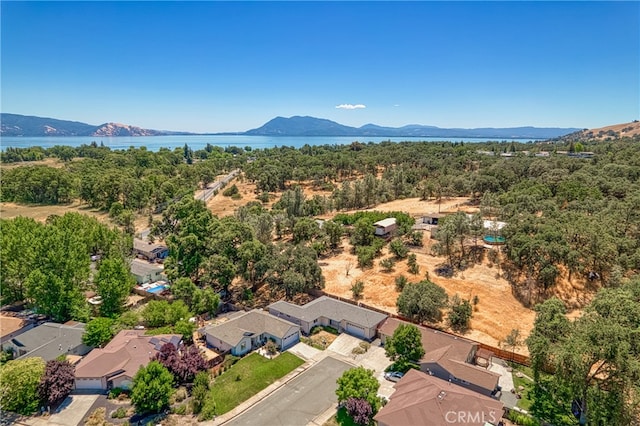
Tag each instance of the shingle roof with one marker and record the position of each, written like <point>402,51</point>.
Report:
<point>451,352</point>
<point>420,399</point>
<point>124,355</point>
<point>142,267</point>
<point>50,340</point>
<point>330,308</point>
<point>252,322</point>
<point>146,247</point>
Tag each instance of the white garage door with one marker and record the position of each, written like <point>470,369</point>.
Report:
<point>89,384</point>
<point>355,330</point>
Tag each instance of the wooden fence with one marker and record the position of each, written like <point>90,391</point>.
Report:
<point>499,353</point>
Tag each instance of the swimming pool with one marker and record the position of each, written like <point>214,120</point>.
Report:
<point>493,239</point>
<point>158,288</point>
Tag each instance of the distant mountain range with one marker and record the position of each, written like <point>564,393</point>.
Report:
<point>311,126</point>
<point>22,125</point>
<point>26,125</point>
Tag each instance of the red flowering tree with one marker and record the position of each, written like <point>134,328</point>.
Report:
<point>56,382</point>
<point>184,364</point>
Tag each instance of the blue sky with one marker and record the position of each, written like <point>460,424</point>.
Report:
<point>232,66</point>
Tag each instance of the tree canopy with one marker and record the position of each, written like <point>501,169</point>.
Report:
<point>423,301</point>
<point>152,388</point>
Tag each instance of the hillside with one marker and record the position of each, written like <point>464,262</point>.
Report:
<point>312,126</point>
<point>25,125</point>
<point>615,131</point>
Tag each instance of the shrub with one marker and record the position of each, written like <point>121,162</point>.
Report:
<point>208,411</point>
<point>271,347</point>
<point>120,413</point>
<point>180,410</point>
<point>387,264</point>
<point>357,289</point>
<point>401,281</point>
<point>231,191</point>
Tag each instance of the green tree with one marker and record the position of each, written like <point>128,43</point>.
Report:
<point>398,248</point>
<point>184,289</point>
<point>549,328</point>
<point>412,263</point>
<point>113,283</point>
<point>334,231</point>
<point>357,289</point>
<point>460,313</point>
<point>98,332</point>
<point>513,340</point>
<point>199,391</point>
<point>423,301</point>
<point>219,271</point>
<point>19,380</point>
<point>359,383</point>
<point>305,229</point>
<point>152,388</point>
<point>405,345</point>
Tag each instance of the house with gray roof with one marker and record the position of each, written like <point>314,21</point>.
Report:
<point>326,311</point>
<point>49,340</point>
<point>145,272</point>
<point>247,331</point>
<point>150,251</point>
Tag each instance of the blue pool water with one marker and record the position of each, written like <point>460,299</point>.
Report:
<point>491,239</point>
<point>158,289</point>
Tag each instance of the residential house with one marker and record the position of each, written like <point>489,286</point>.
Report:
<point>385,227</point>
<point>145,272</point>
<point>115,365</point>
<point>150,251</point>
<point>450,358</point>
<point>246,331</point>
<point>12,326</point>
<point>420,399</point>
<point>326,311</point>
<point>49,340</point>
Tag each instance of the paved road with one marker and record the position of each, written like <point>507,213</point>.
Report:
<point>212,187</point>
<point>204,196</point>
<point>300,401</point>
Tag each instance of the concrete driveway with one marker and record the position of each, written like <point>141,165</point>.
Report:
<point>70,413</point>
<point>299,401</point>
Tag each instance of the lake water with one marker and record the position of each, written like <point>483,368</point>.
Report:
<point>195,142</point>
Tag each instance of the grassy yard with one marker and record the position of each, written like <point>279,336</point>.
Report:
<point>340,419</point>
<point>248,377</point>
<point>524,402</point>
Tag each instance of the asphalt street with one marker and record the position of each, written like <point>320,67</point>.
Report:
<point>299,401</point>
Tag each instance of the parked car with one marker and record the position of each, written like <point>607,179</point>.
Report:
<point>393,376</point>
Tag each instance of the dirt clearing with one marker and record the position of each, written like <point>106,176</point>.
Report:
<point>40,213</point>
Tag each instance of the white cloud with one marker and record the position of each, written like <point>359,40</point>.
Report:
<point>396,105</point>
<point>350,106</point>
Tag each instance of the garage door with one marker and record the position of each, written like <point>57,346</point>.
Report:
<point>89,384</point>
<point>355,330</point>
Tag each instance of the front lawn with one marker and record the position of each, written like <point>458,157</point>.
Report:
<point>341,419</point>
<point>249,376</point>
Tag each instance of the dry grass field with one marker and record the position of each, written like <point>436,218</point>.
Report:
<point>496,314</point>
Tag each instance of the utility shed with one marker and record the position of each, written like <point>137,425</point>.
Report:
<point>386,226</point>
